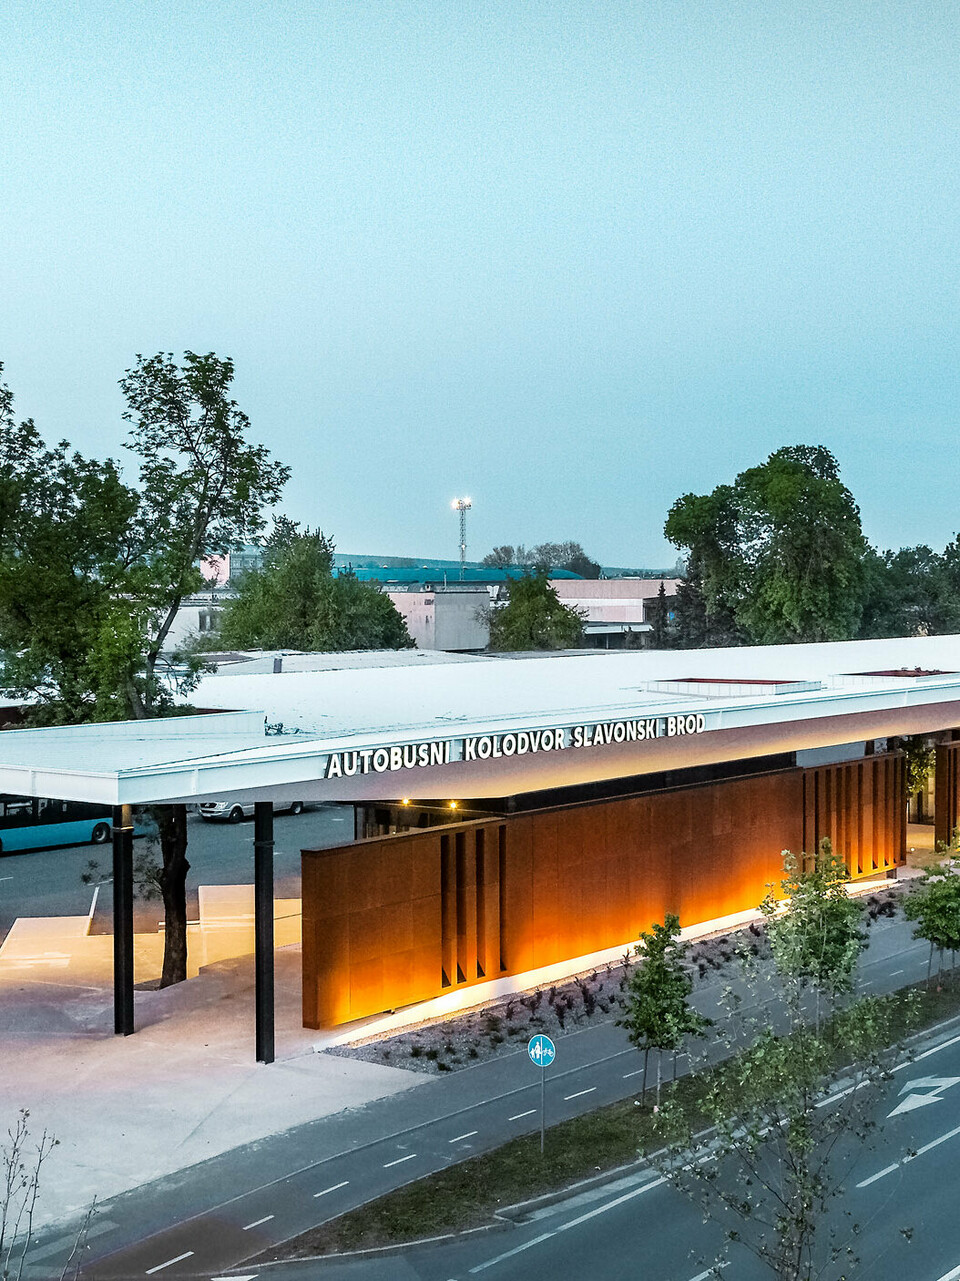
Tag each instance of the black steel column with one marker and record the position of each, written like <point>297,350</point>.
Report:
<point>122,920</point>
<point>263,925</point>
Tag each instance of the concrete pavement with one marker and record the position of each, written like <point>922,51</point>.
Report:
<point>183,1089</point>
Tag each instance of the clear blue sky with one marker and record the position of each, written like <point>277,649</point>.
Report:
<point>570,259</point>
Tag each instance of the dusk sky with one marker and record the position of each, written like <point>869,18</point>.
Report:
<point>573,260</point>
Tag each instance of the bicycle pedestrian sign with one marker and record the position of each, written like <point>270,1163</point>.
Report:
<point>542,1051</point>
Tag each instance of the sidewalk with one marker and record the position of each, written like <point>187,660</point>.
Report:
<point>184,1088</point>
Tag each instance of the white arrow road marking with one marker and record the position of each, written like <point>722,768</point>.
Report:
<point>933,1086</point>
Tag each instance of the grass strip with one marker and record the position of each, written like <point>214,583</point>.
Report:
<point>466,1195</point>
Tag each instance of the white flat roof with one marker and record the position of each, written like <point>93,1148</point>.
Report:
<point>731,703</point>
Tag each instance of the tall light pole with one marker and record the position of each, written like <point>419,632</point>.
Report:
<point>462,505</point>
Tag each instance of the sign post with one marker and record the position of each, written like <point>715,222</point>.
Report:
<point>542,1052</point>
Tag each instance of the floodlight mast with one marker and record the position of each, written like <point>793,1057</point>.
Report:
<point>462,505</point>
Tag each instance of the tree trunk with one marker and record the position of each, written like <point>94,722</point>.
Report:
<point>643,1088</point>
<point>172,821</point>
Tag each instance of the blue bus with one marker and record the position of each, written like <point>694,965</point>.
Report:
<point>27,823</point>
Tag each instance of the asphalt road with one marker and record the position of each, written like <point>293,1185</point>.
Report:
<point>214,1216</point>
<point>47,882</point>
<point>902,1192</point>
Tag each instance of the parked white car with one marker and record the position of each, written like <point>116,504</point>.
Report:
<point>235,811</point>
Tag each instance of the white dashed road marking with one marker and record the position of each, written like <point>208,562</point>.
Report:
<point>334,1188</point>
<point>257,1222</point>
<point>400,1160</point>
<point>521,1115</point>
<point>469,1135</point>
<point>169,1263</point>
<point>579,1094</point>
<point>927,1147</point>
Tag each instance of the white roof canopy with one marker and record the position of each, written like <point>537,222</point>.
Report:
<point>477,728</point>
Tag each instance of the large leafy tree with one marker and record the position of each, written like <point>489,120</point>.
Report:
<point>65,553</point>
<point>294,602</point>
<point>534,617</point>
<point>203,489</point>
<point>912,592</point>
<point>93,570</point>
<point>780,550</point>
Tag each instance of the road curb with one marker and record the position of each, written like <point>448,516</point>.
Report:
<point>373,1252</point>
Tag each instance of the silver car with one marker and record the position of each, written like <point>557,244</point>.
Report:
<point>236,811</point>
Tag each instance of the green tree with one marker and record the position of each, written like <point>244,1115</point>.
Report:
<point>663,635</point>
<point>699,625</point>
<point>907,593</point>
<point>780,550</point>
<point>781,1120</point>
<point>568,555</point>
<point>93,571</point>
<point>64,557</point>
<point>919,761</point>
<point>500,557</point>
<point>294,602</point>
<point>779,1126</point>
<point>276,607</point>
<point>935,908</point>
<point>534,617</point>
<point>202,490</point>
<point>815,928</point>
<point>356,615</point>
<point>657,1014</point>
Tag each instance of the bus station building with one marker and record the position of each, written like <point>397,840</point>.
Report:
<point>521,815</point>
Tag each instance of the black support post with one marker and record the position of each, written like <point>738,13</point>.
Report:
<point>263,926</point>
<point>122,920</point>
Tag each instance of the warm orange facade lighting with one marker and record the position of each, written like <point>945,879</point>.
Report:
<point>393,921</point>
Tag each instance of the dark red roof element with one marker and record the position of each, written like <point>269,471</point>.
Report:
<point>904,671</point>
<point>729,680</point>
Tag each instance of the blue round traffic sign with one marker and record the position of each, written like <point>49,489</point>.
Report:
<point>542,1050</point>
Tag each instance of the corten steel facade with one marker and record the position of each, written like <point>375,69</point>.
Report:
<point>947,792</point>
<point>389,922</point>
<point>860,807</point>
